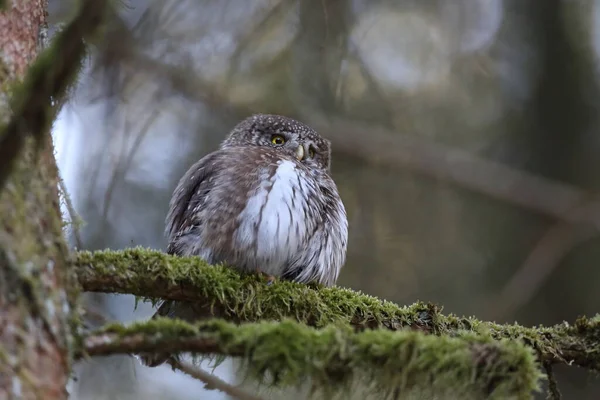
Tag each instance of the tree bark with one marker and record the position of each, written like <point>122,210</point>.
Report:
<point>34,305</point>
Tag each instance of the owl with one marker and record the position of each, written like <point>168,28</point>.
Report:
<point>264,202</point>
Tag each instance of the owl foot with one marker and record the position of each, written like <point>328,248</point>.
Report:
<point>270,278</point>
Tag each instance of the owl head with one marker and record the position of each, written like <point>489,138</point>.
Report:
<point>284,135</point>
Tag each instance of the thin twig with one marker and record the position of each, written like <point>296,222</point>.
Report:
<point>211,381</point>
<point>254,32</point>
<point>545,257</point>
<point>394,149</point>
<point>73,216</point>
<point>125,160</point>
<point>397,150</point>
<point>553,391</point>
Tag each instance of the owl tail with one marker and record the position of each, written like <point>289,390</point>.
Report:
<point>188,312</point>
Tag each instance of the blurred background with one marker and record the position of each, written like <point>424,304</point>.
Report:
<point>466,146</point>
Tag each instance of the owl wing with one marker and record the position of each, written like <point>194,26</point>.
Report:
<point>181,219</point>
<point>188,199</point>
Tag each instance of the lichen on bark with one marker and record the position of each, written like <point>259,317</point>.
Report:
<point>336,358</point>
<point>33,303</point>
<point>33,306</point>
<point>35,281</point>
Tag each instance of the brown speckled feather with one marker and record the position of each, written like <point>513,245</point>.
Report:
<point>264,201</point>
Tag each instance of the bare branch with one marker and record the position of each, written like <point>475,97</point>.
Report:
<point>211,381</point>
<point>390,148</point>
<point>553,392</point>
<point>496,180</point>
<point>125,160</point>
<point>545,257</point>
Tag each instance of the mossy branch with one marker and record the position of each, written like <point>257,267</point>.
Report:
<point>153,274</point>
<point>336,357</point>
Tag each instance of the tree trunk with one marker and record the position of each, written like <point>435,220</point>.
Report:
<point>34,305</point>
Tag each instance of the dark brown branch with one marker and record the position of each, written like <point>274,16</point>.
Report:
<point>553,391</point>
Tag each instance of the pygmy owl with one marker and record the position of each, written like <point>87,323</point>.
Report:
<point>263,202</point>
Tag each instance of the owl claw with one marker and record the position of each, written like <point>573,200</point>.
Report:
<point>270,278</point>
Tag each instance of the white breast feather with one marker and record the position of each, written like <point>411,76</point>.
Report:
<point>281,229</point>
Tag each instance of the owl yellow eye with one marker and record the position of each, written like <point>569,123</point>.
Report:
<point>278,140</point>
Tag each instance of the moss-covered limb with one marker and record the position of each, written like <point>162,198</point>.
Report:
<point>335,357</point>
<point>152,273</point>
<point>46,81</point>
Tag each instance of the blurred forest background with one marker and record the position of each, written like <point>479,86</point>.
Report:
<point>466,146</point>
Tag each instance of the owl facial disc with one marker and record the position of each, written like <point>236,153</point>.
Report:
<point>300,153</point>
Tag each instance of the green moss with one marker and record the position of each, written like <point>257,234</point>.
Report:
<point>577,344</point>
<point>34,277</point>
<point>140,271</point>
<point>336,358</point>
<point>247,298</point>
<point>33,258</point>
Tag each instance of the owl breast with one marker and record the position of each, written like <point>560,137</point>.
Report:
<point>261,212</point>
<point>278,219</point>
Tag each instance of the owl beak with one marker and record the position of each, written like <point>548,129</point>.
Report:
<point>300,153</point>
